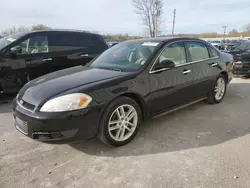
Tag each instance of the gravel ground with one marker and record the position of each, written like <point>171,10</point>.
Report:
<point>201,146</point>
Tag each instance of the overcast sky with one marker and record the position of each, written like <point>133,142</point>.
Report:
<point>116,16</point>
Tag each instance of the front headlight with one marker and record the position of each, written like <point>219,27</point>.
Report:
<point>68,102</point>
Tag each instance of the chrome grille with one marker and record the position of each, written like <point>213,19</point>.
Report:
<point>21,125</point>
<point>245,65</point>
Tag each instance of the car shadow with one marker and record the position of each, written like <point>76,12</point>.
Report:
<point>199,125</point>
<point>5,102</point>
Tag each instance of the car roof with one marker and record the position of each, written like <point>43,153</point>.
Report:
<point>247,41</point>
<point>61,30</point>
<point>165,39</point>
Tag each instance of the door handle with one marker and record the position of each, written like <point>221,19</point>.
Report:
<point>84,55</point>
<point>186,72</point>
<point>47,59</point>
<point>214,64</point>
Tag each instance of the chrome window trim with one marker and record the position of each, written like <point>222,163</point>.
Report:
<point>193,62</point>
<point>151,72</point>
<point>184,64</point>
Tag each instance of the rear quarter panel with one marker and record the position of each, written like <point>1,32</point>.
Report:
<point>226,63</point>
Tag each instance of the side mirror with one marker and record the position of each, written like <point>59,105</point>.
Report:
<point>15,50</point>
<point>165,64</point>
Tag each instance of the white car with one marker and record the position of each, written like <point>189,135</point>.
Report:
<point>215,43</point>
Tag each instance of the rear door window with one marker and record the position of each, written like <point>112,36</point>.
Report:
<point>95,42</point>
<point>64,42</point>
<point>198,51</point>
<point>68,41</point>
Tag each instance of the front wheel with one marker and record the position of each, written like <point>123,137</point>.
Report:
<point>120,122</point>
<point>218,92</point>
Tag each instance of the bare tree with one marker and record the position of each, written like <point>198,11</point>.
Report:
<point>233,33</point>
<point>14,30</point>
<point>40,27</point>
<point>149,12</point>
<point>247,27</point>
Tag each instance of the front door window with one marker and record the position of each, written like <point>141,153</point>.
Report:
<point>34,45</point>
<point>174,52</point>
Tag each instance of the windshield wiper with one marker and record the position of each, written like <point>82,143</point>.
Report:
<point>109,68</point>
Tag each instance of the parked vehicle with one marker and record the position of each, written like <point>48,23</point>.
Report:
<point>110,97</point>
<point>223,45</point>
<point>241,55</point>
<point>26,56</point>
<point>231,44</point>
<point>215,43</point>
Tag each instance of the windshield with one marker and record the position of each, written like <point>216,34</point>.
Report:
<point>235,41</point>
<point>126,56</point>
<point>239,47</point>
<point>8,39</point>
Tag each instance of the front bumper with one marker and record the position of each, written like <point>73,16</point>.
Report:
<point>242,69</point>
<point>63,127</point>
<point>242,72</point>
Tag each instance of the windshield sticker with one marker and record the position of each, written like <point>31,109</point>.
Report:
<point>11,39</point>
<point>150,43</point>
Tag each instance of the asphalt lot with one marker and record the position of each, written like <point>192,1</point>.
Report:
<point>201,146</point>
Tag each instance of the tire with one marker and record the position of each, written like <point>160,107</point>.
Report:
<point>109,136</point>
<point>212,97</point>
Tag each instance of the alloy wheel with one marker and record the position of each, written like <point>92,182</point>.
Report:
<point>220,88</point>
<point>123,122</point>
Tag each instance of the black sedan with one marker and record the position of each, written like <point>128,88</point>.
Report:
<point>112,96</point>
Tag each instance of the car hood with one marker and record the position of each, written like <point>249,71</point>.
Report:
<point>43,88</point>
<point>231,52</point>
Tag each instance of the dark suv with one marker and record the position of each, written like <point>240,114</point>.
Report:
<point>241,55</point>
<point>26,56</point>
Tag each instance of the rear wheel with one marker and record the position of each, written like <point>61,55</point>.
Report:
<point>120,122</point>
<point>218,92</point>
